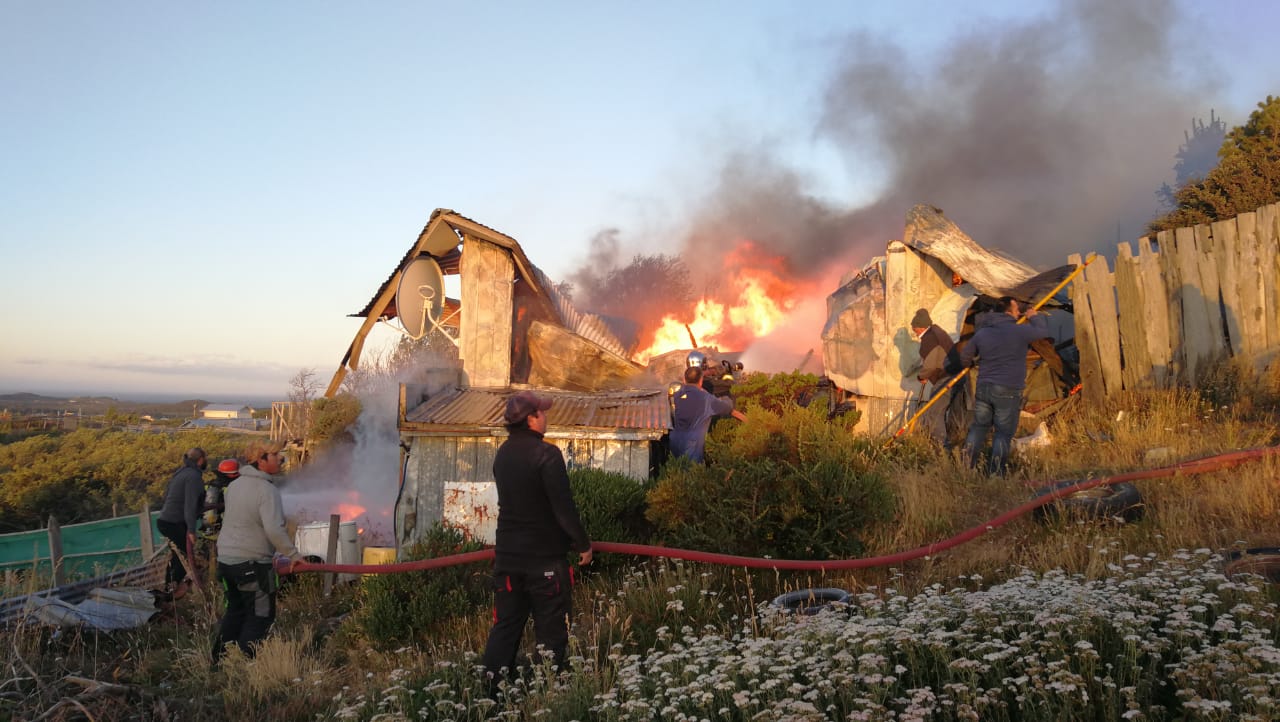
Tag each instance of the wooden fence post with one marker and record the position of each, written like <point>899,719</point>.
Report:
<point>144,531</point>
<point>1155,315</point>
<point>331,554</point>
<point>1090,367</point>
<point>1196,340</point>
<point>55,551</point>
<point>1106,330</point>
<point>1269,262</point>
<point>1132,312</point>
<point>1252,312</point>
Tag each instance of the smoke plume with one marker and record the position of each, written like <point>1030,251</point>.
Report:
<point>1039,138</point>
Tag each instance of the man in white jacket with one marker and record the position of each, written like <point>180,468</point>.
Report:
<point>253,532</point>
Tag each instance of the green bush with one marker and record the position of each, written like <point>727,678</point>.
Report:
<point>790,485</point>
<point>774,392</point>
<point>612,508</point>
<point>411,606</point>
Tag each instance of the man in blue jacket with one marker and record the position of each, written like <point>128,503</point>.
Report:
<point>1000,345</point>
<point>691,414</point>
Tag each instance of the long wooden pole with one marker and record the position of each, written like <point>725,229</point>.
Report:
<point>911,422</point>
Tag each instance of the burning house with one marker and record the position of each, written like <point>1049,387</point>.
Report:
<point>868,349</point>
<point>513,329</point>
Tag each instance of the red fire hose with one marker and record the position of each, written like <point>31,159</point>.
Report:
<point>1196,466</point>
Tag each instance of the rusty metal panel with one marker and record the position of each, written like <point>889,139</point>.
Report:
<point>473,507</point>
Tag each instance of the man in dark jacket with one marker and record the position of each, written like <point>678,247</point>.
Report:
<point>1000,346</point>
<point>183,502</point>
<point>938,355</point>
<point>538,525</point>
<point>940,360</point>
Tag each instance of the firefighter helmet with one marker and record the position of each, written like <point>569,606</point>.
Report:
<point>695,358</point>
<point>229,467</point>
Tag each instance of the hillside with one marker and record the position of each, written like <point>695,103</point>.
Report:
<point>29,403</point>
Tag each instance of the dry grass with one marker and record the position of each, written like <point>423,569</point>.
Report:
<point>317,662</point>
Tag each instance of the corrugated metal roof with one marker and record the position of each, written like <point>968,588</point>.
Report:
<point>638,409</point>
<point>587,325</point>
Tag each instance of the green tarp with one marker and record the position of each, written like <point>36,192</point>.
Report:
<point>89,549</point>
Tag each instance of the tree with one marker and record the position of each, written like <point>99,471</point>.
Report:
<point>1246,178</point>
<point>1195,157</point>
<point>302,389</point>
<point>643,291</point>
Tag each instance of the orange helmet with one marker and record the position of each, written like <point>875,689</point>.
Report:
<point>229,467</point>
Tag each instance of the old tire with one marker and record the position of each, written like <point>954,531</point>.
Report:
<point>1262,561</point>
<point>810,601</point>
<point>1109,501</point>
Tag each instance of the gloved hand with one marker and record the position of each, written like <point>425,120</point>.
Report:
<point>283,564</point>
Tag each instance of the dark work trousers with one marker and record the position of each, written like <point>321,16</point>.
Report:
<point>249,589</point>
<point>542,588</point>
<point>175,532</point>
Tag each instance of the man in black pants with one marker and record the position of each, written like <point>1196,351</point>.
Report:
<point>538,525</point>
<point>183,501</point>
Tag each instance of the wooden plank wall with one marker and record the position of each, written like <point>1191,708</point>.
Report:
<point>487,274</point>
<point>1194,296</point>
<point>437,460</point>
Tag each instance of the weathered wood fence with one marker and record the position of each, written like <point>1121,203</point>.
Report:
<point>1191,296</point>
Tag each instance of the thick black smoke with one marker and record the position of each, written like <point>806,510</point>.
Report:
<point>1039,138</point>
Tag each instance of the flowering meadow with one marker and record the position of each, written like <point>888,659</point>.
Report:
<point>1157,639</point>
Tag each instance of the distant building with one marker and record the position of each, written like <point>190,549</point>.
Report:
<point>226,411</point>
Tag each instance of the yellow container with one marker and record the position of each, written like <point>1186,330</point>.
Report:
<point>379,555</point>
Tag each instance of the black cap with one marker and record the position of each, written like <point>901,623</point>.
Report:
<point>522,404</point>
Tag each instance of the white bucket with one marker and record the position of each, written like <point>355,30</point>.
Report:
<point>313,538</point>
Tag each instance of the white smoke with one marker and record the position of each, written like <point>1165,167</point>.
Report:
<point>361,473</point>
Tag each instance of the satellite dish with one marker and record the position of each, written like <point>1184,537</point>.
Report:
<point>420,296</point>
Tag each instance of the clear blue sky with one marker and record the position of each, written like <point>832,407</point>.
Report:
<point>194,196</point>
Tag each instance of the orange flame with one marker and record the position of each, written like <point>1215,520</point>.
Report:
<point>759,297</point>
<point>350,512</point>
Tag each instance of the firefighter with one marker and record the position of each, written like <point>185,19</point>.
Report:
<point>228,471</point>
<point>693,410</point>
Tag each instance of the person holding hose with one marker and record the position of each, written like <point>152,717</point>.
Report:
<point>692,410</point>
<point>1000,347</point>
<point>538,525</point>
<point>252,533</point>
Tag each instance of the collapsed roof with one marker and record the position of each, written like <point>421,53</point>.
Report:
<point>867,346</point>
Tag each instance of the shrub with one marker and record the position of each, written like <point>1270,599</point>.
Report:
<point>331,418</point>
<point>78,476</point>
<point>413,605</point>
<point>787,486</point>
<point>611,505</point>
<point>774,392</point>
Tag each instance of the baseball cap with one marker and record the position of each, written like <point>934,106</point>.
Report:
<point>522,404</point>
